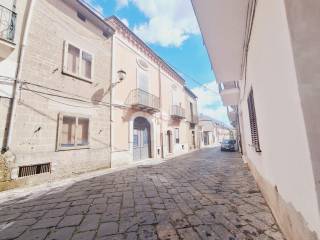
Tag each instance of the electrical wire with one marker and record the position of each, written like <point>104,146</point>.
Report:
<point>101,103</point>
<point>41,94</point>
<point>203,85</point>
<point>76,97</point>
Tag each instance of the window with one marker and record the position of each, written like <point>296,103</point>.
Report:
<point>77,62</point>
<point>176,135</point>
<point>68,131</point>
<point>73,132</point>
<point>73,60</point>
<point>253,122</point>
<point>83,132</point>
<point>175,101</point>
<point>86,64</point>
<point>143,80</point>
<point>191,110</point>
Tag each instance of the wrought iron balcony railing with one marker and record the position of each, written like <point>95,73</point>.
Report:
<point>7,23</point>
<point>144,101</point>
<point>177,112</point>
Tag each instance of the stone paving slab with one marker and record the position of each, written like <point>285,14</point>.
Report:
<point>203,195</point>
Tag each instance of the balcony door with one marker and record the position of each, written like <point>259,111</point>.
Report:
<point>143,85</point>
<point>141,139</point>
<point>175,100</point>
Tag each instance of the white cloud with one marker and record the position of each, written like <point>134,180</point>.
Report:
<point>122,3</point>
<point>125,21</point>
<point>169,23</point>
<point>209,102</point>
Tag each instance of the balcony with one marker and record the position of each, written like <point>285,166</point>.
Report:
<point>230,94</point>
<point>232,114</point>
<point>143,101</point>
<point>177,112</point>
<point>7,31</point>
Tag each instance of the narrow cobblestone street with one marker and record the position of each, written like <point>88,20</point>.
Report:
<point>202,195</point>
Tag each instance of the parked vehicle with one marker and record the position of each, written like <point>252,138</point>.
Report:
<point>228,145</point>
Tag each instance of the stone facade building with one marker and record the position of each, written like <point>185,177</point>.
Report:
<point>85,94</point>
<point>268,72</point>
<point>60,121</point>
<point>213,132</point>
<point>153,115</point>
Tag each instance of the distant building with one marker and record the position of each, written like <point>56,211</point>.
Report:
<point>213,131</point>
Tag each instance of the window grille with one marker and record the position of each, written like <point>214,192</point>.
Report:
<point>31,170</point>
<point>8,20</point>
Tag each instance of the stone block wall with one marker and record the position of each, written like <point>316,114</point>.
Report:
<point>46,91</point>
<point>5,104</point>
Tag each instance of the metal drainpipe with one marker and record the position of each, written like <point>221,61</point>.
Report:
<point>22,45</point>
<point>239,132</point>
<point>111,95</point>
<point>161,126</point>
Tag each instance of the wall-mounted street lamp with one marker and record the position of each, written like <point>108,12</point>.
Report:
<point>101,93</point>
<point>121,75</point>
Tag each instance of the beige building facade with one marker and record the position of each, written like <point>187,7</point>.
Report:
<point>153,114</point>
<point>213,132</point>
<point>269,79</point>
<point>60,121</point>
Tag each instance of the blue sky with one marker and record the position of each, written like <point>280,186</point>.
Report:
<point>170,28</point>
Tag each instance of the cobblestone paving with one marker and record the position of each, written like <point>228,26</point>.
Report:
<point>203,195</point>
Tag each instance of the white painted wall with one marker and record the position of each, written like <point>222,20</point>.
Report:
<point>285,158</point>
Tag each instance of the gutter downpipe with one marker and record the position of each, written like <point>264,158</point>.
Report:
<point>161,124</point>
<point>113,80</point>
<point>18,82</point>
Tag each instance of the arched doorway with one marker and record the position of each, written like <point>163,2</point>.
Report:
<point>169,137</point>
<point>141,139</point>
